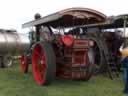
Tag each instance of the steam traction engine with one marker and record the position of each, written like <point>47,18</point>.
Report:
<point>57,50</point>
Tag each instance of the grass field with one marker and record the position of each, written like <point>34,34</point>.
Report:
<point>14,83</point>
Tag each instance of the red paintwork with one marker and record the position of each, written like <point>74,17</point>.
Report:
<point>67,40</point>
<point>38,64</point>
<point>23,63</point>
<point>75,58</point>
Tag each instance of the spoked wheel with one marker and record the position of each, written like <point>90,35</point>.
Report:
<point>6,61</point>
<point>24,65</point>
<point>43,63</point>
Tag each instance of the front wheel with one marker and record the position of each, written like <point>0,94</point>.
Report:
<point>24,64</point>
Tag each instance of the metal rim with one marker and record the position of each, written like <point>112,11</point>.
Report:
<point>23,63</point>
<point>90,62</point>
<point>98,58</point>
<point>38,64</point>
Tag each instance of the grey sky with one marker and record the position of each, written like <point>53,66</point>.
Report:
<point>16,12</point>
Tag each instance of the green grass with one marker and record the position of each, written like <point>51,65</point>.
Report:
<point>15,83</point>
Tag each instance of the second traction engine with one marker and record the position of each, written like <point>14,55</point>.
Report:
<point>12,43</point>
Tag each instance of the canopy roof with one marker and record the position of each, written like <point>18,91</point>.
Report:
<point>69,17</point>
<point>111,22</point>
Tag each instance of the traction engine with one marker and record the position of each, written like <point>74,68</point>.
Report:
<point>56,50</point>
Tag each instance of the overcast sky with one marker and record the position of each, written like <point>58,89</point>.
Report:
<point>13,13</point>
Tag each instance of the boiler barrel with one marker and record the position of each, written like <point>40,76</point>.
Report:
<point>13,42</point>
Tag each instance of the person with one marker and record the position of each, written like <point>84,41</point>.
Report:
<point>124,63</point>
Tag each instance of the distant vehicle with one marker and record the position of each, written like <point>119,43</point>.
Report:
<point>11,43</point>
<point>108,36</point>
